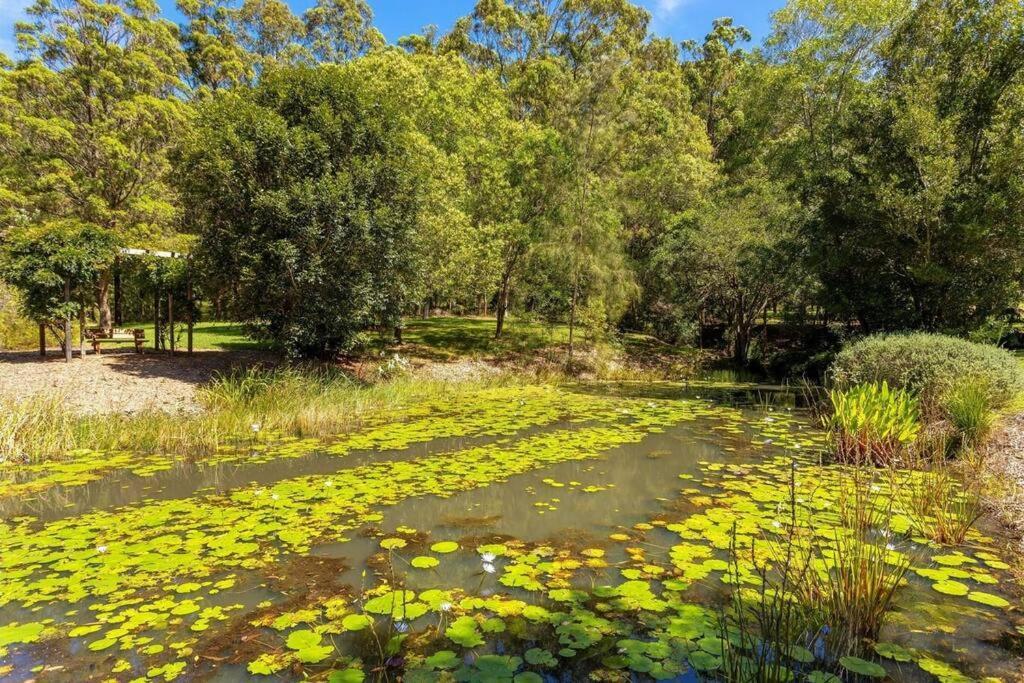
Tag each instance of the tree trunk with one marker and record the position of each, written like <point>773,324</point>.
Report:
<point>502,309</point>
<point>741,344</point>
<point>103,300</point>
<point>398,334</point>
<point>572,325</point>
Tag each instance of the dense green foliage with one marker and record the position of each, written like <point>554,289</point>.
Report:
<point>930,365</point>
<point>308,190</point>
<point>872,424</point>
<point>861,167</point>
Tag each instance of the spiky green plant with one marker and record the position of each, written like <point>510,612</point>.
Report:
<point>968,406</point>
<point>872,424</point>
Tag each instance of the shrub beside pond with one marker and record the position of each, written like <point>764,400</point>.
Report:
<point>931,365</point>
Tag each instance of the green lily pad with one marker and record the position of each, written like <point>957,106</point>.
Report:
<point>862,667</point>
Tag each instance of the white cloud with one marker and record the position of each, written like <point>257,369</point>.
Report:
<point>663,11</point>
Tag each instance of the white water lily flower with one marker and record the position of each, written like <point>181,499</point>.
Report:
<point>890,546</point>
<point>777,524</point>
<point>328,483</point>
<point>489,568</point>
<point>875,488</point>
<point>101,549</point>
<point>445,607</point>
<point>488,557</point>
<point>274,496</point>
<point>256,426</point>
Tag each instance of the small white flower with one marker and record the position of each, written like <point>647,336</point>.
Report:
<point>489,568</point>
<point>890,546</point>
<point>256,426</point>
<point>488,557</point>
<point>777,524</point>
<point>274,496</point>
<point>875,488</point>
<point>769,419</point>
<point>445,607</point>
<point>767,442</point>
<point>328,483</point>
<point>101,549</point>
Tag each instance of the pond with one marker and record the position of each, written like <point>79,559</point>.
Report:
<point>531,532</point>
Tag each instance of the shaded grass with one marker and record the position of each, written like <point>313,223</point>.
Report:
<point>288,401</point>
<point>206,336</point>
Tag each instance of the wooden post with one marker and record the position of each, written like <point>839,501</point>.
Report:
<point>81,331</point>
<point>156,319</point>
<point>170,319</point>
<point>67,322</point>
<point>42,340</point>
<point>191,302</point>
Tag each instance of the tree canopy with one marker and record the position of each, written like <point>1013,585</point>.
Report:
<point>554,158</point>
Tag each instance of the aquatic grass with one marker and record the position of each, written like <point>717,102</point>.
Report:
<point>34,427</point>
<point>943,506</point>
<point>239,408</point>
<point>872,424</point>
<point>968,407</point>
<point>859,569</point>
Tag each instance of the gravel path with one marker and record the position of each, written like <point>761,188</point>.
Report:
<point>117,382</point>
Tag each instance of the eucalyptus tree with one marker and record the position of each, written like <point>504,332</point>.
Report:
<point>340,30</point>
<point>216,58</point>
<point>586,71</point>
<point>270,33</point>
<point>91,111</point>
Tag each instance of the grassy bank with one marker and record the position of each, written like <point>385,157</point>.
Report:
<point>288,401</point>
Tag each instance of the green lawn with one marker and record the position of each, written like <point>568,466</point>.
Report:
<point>206,336</point>
<point>453,337</point>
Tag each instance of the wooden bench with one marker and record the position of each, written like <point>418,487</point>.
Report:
<point>98,336</point>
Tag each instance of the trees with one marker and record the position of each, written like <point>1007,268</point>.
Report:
<point>340,30</point>
<point>306,191</point>
<point>94,110</point>
<point>216,58</point>
<point>55,266</point>
<point>737,256</point>
<point>918,220</point>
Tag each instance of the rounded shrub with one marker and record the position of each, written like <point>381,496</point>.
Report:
<point>931,365</point>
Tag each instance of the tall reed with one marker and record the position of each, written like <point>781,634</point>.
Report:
<point>292,401</point>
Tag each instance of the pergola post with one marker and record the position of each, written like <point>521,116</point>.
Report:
<point>170,318</point>
<point>188,294</point>
<point>67,322</point>
<point>156,319</point>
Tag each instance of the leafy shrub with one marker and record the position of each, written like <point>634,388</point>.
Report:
<point>872,424</point>
<point>929,365</point>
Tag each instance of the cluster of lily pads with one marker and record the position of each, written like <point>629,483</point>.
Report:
<point>146,587</point>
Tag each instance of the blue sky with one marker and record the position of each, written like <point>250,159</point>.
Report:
<point>680,19</point>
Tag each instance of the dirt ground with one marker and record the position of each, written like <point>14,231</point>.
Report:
<point>118,381</point>
<point>1004,461</point>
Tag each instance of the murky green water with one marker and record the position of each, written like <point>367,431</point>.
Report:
<point>534,532</point>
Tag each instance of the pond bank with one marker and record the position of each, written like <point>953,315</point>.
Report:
<point>1004,464</point>
<point>118,381</point>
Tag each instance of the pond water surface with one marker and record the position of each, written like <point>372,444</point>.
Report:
<point>535,533</point>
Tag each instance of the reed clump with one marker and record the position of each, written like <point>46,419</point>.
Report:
<point>287,401</point>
